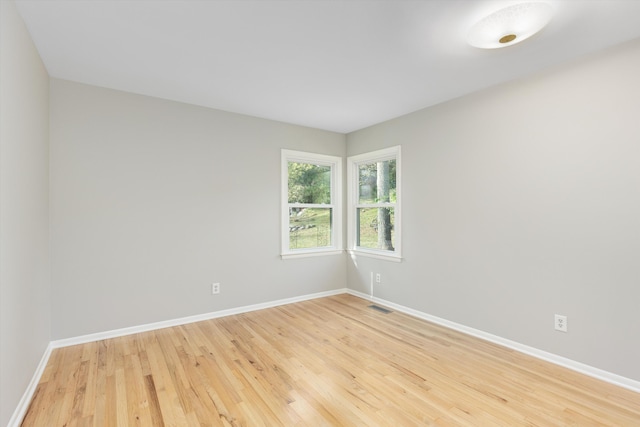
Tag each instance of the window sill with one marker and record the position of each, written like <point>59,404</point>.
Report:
<point>377,255</point>
<point>306,254</point>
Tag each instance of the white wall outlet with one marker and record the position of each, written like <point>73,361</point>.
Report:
<point>378,278</point>
<point>560,323</point>
<point>215,288</point>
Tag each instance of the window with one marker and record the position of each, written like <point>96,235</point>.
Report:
<point>311,198</point>
<point>374,203</point>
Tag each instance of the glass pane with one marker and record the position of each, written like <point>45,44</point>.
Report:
<point>377,182</point>
<point>309,183</point>
<point>375,228</point>
<point>309,228</point>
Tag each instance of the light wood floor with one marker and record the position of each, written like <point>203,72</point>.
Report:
<point>326,362</point>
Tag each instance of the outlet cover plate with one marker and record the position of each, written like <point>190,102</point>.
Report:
<point>560,323</point>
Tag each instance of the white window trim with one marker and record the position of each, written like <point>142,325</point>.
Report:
<point>336,203</point>
<point>352,182</point>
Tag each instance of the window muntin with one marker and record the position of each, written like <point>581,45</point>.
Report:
<point>374,220</point>
<point>311,218</point>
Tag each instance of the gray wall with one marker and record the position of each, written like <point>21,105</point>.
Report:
<point>152,201</point>
<point>523,201</point>
<point>24,210</point>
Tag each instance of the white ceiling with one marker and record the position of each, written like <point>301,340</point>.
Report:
<point>335,65</point>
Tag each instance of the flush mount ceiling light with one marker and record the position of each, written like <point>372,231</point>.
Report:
<point>510,25</point>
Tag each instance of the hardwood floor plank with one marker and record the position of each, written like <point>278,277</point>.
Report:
<point>327,362</point>
<point>154,403</point>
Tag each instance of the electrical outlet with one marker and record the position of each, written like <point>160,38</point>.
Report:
<point>215,288</point>
<point>378,278</point>
<point>560,323</point>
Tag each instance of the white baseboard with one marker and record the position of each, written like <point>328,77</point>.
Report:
<point>23,405</point>
<point>189,319</point>
<point>600,374</point>
<point>609,377</point>
<point>25,401</point>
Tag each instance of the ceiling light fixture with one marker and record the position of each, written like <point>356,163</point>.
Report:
<point>510,25</point>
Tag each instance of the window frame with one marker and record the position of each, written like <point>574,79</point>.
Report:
<point>353,163</point>
<point>335,163</point>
